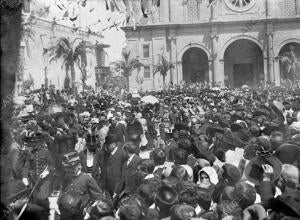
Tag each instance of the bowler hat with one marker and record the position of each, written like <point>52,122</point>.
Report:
<point>231,173</point>
<point>166,197</point>
<point>254,171</point>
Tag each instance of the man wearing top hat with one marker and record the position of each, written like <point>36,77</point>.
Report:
<point>90,157</point>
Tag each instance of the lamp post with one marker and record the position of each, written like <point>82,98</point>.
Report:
<point>45,56</point>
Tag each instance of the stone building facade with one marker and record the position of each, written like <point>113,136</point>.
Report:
<point>231,42</point>
<point>34,62</point>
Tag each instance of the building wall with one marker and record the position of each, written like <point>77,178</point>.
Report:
<point>45,35</point>
<point>270,24</point>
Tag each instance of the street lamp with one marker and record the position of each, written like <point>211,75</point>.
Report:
<point>45,56</point>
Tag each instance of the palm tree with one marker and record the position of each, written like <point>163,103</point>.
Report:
<point>289,64</point>
<point>127,65</point>
<point>27,33</point>
<point>71,53</point>
<point>163,67</point>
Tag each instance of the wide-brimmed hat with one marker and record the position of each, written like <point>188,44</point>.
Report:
<point>165,198</point>
<point>254,170</point>
<point>287,202</point>
<point>288,154</point>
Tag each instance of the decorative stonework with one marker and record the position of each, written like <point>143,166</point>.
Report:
<point>240,5</point>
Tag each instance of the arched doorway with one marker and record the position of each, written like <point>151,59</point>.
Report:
<point>195,65</point>
<point>243,64</point>
<point>289,61</point>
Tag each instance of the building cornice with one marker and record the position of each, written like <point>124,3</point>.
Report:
<point>209,23</point>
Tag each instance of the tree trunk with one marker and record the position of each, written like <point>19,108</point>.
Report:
<point>127,82</point>
<point>73,75</point>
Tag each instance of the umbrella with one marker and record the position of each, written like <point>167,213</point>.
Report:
<point>149,99</point>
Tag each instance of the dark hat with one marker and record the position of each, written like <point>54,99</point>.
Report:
<point>260,112</point>
<point>244,194</point>
<point>288,203</point>
<point>182,212</point>
<point>111,138</point>
<point>188,196</point>
<point>181,126</point>
<point>146,165</point>
<point>147,192</point>
<point>254,171</point>
<point>288,154</point>
<point>231,173</point>
<point>213,129</point>
<point>152,214</point>
<point>131,211</point>
<point>166,197</point>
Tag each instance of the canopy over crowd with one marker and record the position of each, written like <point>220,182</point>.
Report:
<point>182,153</point>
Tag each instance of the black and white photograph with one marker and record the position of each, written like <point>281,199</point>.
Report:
<point>150,110</point>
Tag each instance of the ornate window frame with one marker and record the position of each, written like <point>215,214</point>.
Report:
<point>231,4</point>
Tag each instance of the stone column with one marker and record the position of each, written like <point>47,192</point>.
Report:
<point>172,42</point>
<point>218,67</point>
<point>210,71</point>
<point>277,71</point>
<point>266,77</point>
<point>270,53</point>
<point>179,69</point>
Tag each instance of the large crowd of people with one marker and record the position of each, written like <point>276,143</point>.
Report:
<point>182,153</point>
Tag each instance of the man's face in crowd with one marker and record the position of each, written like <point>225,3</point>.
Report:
<point>276,139</point>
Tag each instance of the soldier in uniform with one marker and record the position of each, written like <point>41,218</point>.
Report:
<point>35,158</point>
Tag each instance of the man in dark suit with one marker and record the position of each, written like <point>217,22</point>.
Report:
<point>120,130</point>
<point>90,157</point>
<point>111,162</point>
<point>85,187</point>
<point>129,168</point>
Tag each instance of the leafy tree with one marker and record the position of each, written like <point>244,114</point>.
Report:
<point>127,65</point>
<point>163,67</point>
<point>71,53</point>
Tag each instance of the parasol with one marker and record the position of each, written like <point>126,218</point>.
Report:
<point>150,99</point>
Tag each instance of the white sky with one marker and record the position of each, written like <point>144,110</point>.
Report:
<point>88,16</point>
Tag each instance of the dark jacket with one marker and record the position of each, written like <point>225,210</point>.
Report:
<point>96,162</point>
<point>120,131</point>
<point>125,184</point>
<point>86,187</point>
<point>111,168</point>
